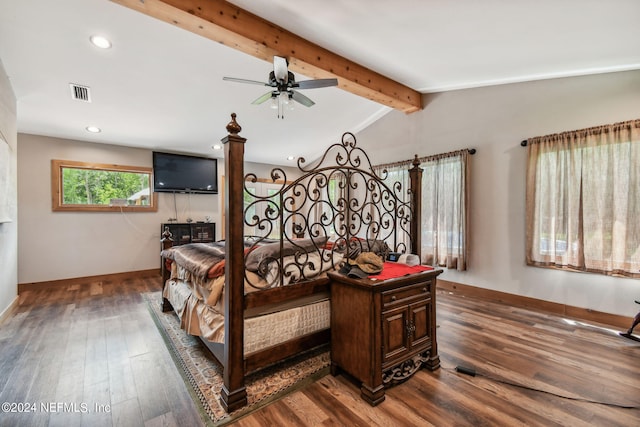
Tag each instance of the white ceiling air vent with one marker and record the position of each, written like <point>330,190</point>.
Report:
<point>81,93</point>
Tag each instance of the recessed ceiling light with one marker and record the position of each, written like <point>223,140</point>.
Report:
<point>93,129</point>
<point>216,146</point>
<point>100,41</point>
<point>291,157</point>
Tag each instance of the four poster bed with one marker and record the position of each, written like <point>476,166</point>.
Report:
<point>256,300</point>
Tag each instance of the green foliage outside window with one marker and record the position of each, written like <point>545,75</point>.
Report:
<point>98,187</point>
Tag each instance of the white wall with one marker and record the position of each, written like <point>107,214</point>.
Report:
<point>494,120</point>
<point>61,245</point>
<point>9,230</point>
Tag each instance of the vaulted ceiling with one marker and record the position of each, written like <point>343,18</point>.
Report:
<point>160,84</point>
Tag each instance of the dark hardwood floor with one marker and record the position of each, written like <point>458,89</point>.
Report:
<point>90,355</point>
<point>97,345</point>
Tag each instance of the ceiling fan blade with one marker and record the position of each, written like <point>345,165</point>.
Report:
<point>264,97</point>
<point>253,82</point>
<point>297,96</point>
<point>313,84</point>
<point>280,69</point>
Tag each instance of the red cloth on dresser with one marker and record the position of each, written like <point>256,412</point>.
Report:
<point>391,270</point>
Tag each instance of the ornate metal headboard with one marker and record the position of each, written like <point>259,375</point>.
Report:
<point>338,205</point>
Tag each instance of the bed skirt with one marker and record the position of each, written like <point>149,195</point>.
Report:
<point>261,329</point>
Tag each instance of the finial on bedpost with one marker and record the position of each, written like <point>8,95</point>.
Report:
<point>166,240</point>
<point>416,162</point>
<point>233,127</point>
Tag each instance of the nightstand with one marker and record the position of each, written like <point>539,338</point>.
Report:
<point>382,332</point>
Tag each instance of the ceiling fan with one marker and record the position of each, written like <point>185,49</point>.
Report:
<point>284,85</point>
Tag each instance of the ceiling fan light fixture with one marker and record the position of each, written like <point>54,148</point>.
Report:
<point>274,103</point>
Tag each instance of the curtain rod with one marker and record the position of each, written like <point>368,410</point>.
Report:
<point>471,151</point>
<point>593,129</point>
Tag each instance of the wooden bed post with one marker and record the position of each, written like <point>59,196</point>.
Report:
<point>415,177</point>
<point>167,242</point>
<point>233,394</point>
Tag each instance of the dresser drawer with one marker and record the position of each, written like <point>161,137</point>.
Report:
<point>404,294</point>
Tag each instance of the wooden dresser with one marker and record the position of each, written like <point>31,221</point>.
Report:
<point>383,331</point>
<point>190,232</point>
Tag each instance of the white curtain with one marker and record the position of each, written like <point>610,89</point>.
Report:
<point>445,206</point>
<point>583,200</point>
<point>397,179</point>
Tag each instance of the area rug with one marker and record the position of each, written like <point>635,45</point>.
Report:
<point>204,375</point>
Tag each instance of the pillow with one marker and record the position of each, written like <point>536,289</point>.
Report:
<point>379,247</point>
<point>270,252</point>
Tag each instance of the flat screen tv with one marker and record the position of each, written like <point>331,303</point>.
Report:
<point>184,174</point>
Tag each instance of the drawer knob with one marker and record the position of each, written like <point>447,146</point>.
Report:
<point>424,289</point>
<point>393,297</point>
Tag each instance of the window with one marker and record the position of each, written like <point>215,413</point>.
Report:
<point>261,206</point>
<point>444,221</point>
<point>583,200</point>
<point>80,186</point>
<point>444,210</point>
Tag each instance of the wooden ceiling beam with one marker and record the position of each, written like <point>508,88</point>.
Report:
<point>227,24</point>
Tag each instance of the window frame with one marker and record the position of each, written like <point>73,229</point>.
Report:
<point>57,204</point>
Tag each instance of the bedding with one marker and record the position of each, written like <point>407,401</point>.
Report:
<point>202,265</point>
<point>203,260</point>
<point>196,293</point>
<point>378,247</point>
<point>197,258</point>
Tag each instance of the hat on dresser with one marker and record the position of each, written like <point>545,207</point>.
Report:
<point>353,271</point>
<point>368,262</point>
